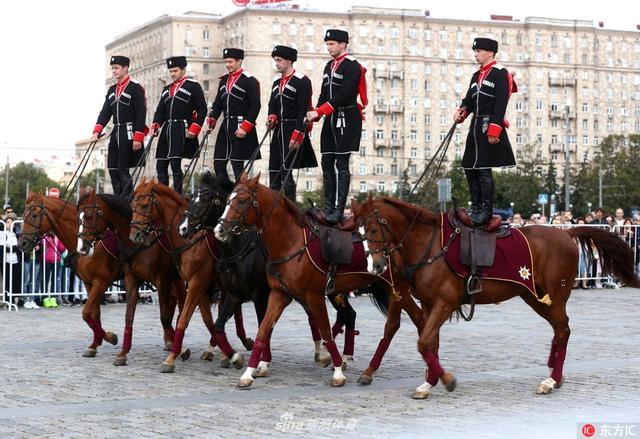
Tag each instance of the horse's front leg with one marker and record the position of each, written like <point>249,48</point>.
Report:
<point>278,301</point>
<point>131,288</point>
<point>91,315</point>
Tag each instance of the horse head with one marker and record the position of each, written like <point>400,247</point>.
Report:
<point>207,205</point>
<point>241,209</point>
<point>37,221</point>
<point>92,222</point>
<point>146,213</point>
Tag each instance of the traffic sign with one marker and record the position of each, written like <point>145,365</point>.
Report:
<point>543,198</point>
<point>54,192</point>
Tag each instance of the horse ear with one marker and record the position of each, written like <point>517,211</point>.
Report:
<point>255,180</point>
<point>83,191</point>
<point>206,178</point>
<point>355,206</point>
<point>93,191</point>
<point>225,182</point>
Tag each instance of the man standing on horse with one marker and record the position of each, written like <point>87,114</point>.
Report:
<point>126,103</point>
<point>342,81</point>
<point>290,100</point>
<point>239,98</point>
<point>181,113</point>
<point>487,143</point>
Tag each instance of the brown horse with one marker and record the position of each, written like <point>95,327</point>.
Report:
<point>158,209</point>
<point>292,274</point>
<point>44,215</point>
<point>394,227</point>
<point>105,217</point>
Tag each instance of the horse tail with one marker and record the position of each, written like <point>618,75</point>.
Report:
<point>615,255</point>
<point>379,296</point>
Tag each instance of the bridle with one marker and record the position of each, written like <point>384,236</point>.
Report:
<point>238,225</point>
<point>91,231</point>
<point>148,225</point>
<point>196,215</point>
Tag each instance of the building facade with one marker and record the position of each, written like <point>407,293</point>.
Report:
<point>578,82</point>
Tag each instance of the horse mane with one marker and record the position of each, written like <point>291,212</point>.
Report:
<point>291,207</point>
<point>410,211</point>
<point>166,191</point>
<point>118,204</point>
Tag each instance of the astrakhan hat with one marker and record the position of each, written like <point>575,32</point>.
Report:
<point>176,61</point>
<point>285,52</point>
<point>341,36</point>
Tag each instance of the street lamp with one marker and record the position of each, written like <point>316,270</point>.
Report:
<point>511,205</point>
<point>589,206</point>
<point>567,169</point>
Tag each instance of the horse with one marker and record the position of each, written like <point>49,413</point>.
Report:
<point>44,215</point>
<point>242,266</point>
<point>105,218</point>
<point>293,275</point>
<point>395,227</point>
<point>157,210</point>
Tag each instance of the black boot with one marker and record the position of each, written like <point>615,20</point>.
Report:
<point>290,191</point>
<point>126,182</point>
<point>487,188</point>
<point>177,181</point>
<point>474,191</point>
<point>329,186</point>
<point>116,182</point>
<point>344,181</point>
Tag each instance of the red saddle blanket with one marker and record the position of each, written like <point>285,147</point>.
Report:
<point>212,243</point>
<point>513,261</point>
<point>358,262</point>
<point>110,243</point>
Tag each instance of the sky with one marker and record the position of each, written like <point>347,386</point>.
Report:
<point>53,75</point>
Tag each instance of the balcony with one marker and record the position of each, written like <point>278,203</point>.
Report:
<point>398,108</point>
<point>557,114</point>
<point>380,73</point>
<point>396,143</point>
<point>562,82</point>
<point>381,108</point>
<point>396,74</point>
<point>381,143</point>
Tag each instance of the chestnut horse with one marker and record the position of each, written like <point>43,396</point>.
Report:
<point>44,215</point>
<point>102,215</point>
<point>242,266</point>
<point>394,227</point>
<point>292,274</point>
<point>158,209</point>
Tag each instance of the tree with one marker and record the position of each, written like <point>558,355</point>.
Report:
<point>21,176</point>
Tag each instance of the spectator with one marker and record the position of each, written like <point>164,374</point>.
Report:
<point>53,249</point>
<point>588,218</point>
<point>568,217</point>
<point>619,218</point>
<point>32,276</point>
<point>12,266</point>
<point>599,217</point>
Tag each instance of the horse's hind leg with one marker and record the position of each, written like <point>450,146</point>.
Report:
<point>338,303</point>
<point>91,315</point>
<point>131,287</point>
<point>240,332</point>
<point>556,315</point>
<point>347,314</point>
<point>315,335</point>
<point>230,357</point>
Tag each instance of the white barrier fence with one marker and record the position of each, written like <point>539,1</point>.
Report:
<point>32,277</point>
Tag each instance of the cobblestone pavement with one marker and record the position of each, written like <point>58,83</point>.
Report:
<point>49,390</point>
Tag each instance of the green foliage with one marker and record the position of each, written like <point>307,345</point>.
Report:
<point>20,176</point>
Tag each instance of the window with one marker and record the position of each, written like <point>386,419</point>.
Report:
<point>539,138</point>
<point>188,35</point>
<point>363,168</point>
<point>395,32</point>
<point>205,85</point>
<point>554,139</point>
<point>293,29</point>
<point>539,122</point>
<point>585,124</point>
<point>585,140</point>
<point>363,186</point>
<point>206,52</point>
<point>413,136</point>
<point>427,37</point>
<point>518,139</point>
<point>444,119</point>
<point>382,187</point>
<point>364,31</point>
<point>414,84</point>
<point>379,169</point>
<point>519,105</point>
<point>276,29</point>
<point>427,136</point>
<point>443,87</point>
<point>427,103</point>
<point>443,35</point>
<point>413,118</point>
<point>380,32</point>
<point>585,107</point>
<point>364,135</point>
<point>427,118</point>
<point>363,151</point>
<point>394,169</point>
<point>308,185</point>
<point>310,30</point>
<point>205,68</point>
<point>539,105</point>
<point>427,85</point>
<point>413,33</point>
<point>414,152</point>
<point>205,34</point>
<point>379,134</point>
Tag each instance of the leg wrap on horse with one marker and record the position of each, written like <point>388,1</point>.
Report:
<point>552,353</point>
<point>223,344</point>
<point>169,334</point>
<point>177,342</point>
<point>237,317</point>
<point>256,353</point>
<point>128,337</point>
<point>558,364</point>
<point>266,353</point>
<point>337,328</point>
<point>333,351</point>
<point>349,342</point>
<point>162,170</point>
<point>98,332</point>
<point>435,369</point>
<point>380,351</point>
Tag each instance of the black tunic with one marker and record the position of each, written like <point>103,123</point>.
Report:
<point>185,111</point>
<point>342,126</point>
<point>241,106</point>
<point>488,107</point>
<point>128,111</point>
<point>290,107</point>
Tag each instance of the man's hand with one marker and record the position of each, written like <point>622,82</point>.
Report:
<point>294,145</point>
<point>95,137</point>
<point>137,146</point>
<point>153,132</point>
<point>459,116</point>
<point>493,140</point>
<point>211,124</point>
<point>241,134</point>
<point>190,135</point>
<point>312,116</point>
<point>270,123</point>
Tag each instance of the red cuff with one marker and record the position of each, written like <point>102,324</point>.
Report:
<point>325,109</point>
<point>138,136</point>
<point>98,129</point>
<point>155,126</point>
<point>494,130</point>
<point>297,136</point>
<point>505,123</point>
<point>246,126</point>
<point>194,128</point>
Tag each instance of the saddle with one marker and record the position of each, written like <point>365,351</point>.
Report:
<point>348,224</point>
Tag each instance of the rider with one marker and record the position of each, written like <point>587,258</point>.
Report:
<point>487,142</point>
<point>343,80</point>
<point>290,100</point>
<point>239,98</point>
<point>181,112</point>
<point>125,102</point>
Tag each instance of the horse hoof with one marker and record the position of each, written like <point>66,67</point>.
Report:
<point>168,346</point>
<point>338,382</point>
<point>237,360</point>
<point>90,353</point>
<point>365,379</point>
<point>546,386</point>
<point>113,339</point>
<point>225,362</point>
<point>261,373</point>
<point>248,343</point>
<point>207,355</point>
<point>420,395</point>
<point>325,361</point>
<point>449,381</point>
<point>185,355</point>
<point>167,368</point>
<point>245,383</point>
<point>120,361</point>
